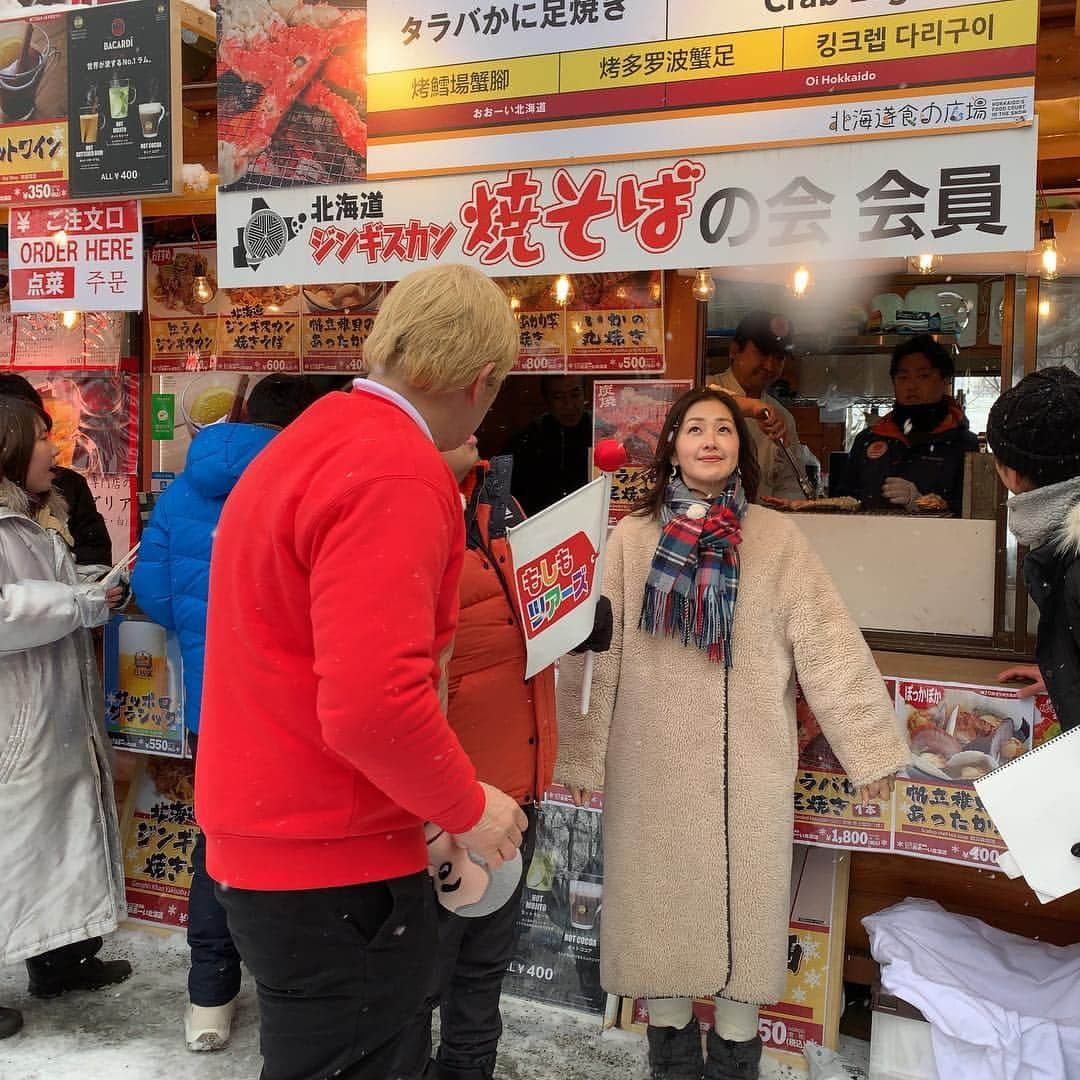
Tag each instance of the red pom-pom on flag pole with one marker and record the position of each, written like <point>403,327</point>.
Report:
<point>609,455</point>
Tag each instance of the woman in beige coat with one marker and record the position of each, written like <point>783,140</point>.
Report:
<point>719,606</point>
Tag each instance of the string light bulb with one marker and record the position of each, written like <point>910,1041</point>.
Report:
<point>563,290</point>
<point>69,319</point>
<point>202,290</point>
<point>704,288</point>
<point>1044,309</point>
<point>1049,255</point>
<point>925,263</point>
<point>800,282</point>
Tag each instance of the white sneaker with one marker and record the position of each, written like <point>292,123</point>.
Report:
<point>208,1028</point>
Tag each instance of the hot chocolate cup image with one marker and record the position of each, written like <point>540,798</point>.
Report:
<point>586,894</point>
<point>151,113</point>
<point>22,69</point>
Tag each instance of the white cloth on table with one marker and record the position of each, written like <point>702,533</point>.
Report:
<point>1000,1006</point>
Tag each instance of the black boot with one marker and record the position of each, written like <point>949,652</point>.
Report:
<point>10,1022</point>
<point>439,1070</point>
<point>727,1060</point>
<point>675,1053</point>
<point>53,974</point>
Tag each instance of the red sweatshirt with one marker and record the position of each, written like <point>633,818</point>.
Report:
<point>333,594</point>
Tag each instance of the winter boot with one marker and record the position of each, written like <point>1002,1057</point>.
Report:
<point>441,1070</point>
<point>90,974</point>
<point>208,1027</point>
<point>675,1053</point>
<point>10,1022</point>
<point>727,1060</point>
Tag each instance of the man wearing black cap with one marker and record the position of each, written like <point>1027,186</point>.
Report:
<point>1034,434</point>
<point>762,343</point>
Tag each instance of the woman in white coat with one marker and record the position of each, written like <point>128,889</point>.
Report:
<point>718,607</point>
<point>60,847</point>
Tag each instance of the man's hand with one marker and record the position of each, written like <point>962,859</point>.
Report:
<point>1025,671</point>
<point>603,622</point>
<point>115,597</point>
<point>497,835</point>
<point>771,423</point>
<point>879,791</point>
<point>900,492</point>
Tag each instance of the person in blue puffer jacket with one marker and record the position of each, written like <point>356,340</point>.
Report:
<point>170,582</point>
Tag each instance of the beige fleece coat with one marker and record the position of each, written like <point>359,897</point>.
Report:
<point>698,790</point>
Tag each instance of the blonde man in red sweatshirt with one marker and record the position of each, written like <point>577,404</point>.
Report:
<point>323,743</point>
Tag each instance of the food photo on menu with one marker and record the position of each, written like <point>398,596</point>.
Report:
<point>959,735</point>
<point>292,93</point>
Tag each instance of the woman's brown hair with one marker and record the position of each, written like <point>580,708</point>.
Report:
<point>19,422</point>
<point>650,503</point>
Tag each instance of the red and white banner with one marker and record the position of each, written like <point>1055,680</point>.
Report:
<point>557,562</point>
<point>958,193</point>
<point>85,257</point>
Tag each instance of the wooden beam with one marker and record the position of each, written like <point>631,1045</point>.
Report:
<point>1057,70</point>
<point>198,21</point>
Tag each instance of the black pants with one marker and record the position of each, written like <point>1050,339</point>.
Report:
<point>66,957</point>
<point>214,975</point>
<point>466,985</point>
<point>340,972</point>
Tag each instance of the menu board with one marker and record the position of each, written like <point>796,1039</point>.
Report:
<point>195,326</point>
<point>957,732</point>
<point>120,100</point>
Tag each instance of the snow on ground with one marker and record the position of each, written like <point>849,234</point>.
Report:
<point>134,1031</point>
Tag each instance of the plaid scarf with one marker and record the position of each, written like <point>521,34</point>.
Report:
<point>694,579</point>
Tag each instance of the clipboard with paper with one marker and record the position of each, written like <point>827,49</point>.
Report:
<point>1034,801</point>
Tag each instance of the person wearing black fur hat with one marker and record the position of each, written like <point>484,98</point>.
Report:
<point>913,458</point>
<point>1034,434</point>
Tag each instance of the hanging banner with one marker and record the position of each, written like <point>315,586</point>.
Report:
<point>159,836</point>
<point>85,257</point>
<point>260,329</point>
<point>632,412</point>
<point>557,958</point>
<point>615,323</point>
<point>962,193</point>
<point>143,687</point>
<point>336,322</point>
<point>555,556</point>
<point>541,323</point>
<point>458,88</point>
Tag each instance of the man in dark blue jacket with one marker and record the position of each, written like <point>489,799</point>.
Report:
<point>170,581</point>
<point>913,458</point>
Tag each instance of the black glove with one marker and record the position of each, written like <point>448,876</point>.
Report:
<point>603,623</point>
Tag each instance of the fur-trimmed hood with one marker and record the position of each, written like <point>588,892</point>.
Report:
<point>17,501</point>
<point>1068,537</point>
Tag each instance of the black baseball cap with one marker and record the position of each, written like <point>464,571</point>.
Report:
<point>769,331</point>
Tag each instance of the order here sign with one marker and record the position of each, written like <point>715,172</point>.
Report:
<point>82,257</point>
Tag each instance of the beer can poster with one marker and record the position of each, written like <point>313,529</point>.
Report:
<point>143,688</point>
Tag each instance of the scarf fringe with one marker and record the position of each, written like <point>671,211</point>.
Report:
<point>703,622</point>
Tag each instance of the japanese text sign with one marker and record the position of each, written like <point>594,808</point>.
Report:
<point>461,87</point>
<point>83,257</point>
<point>556,555</point>
<point>962,193</point>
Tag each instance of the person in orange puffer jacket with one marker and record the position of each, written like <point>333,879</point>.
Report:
<point>507,727</point>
